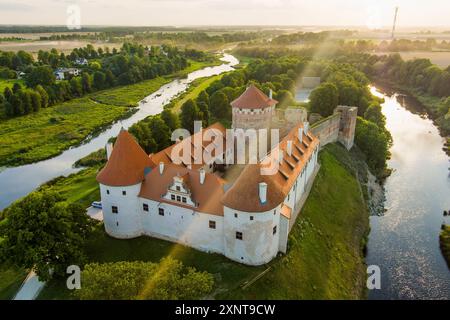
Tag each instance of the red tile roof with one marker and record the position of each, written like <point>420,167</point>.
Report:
<point>253,98</point>
<point>126,164</point>
<point>244,194</point>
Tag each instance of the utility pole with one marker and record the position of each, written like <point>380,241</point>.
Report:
<point>395,22</point>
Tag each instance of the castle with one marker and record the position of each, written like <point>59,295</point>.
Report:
<point>248,218</point>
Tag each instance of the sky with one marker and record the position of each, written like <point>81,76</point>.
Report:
<point>370,13</point>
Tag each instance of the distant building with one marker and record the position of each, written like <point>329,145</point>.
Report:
<point>61,72</point>
<point>81,61</point>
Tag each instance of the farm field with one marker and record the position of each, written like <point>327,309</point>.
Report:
<point>441,58</point>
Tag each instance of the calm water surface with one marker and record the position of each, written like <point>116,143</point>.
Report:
<point>404,242</point>
<point>19,181</point>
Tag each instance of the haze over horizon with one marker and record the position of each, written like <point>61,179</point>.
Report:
<point>369,13</point>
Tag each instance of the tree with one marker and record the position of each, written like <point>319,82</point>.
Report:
<point>168,279</point>
<point>86,82</point>
<point>203,97</point>
<point>189,114</point>
<point>16,87</point>
<point>374,142</point>
<point>220,106</point>
<point>374,114</point>
<point>324,99</point>
<point>42,232</point>
<point>284,98</point>
<point>99,80</point>
<point>7,93</point>
<point>35,101</point>
<point>204,113</point>
<point>42,75</point>
<point>160,132</point>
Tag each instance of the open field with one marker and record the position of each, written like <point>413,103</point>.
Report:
<point>193,91</point>
<point>54,129</point>
<point>40,135</point>
<point>325,247</point>
<point>65,46</point>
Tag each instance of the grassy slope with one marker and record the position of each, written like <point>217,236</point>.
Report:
<point>324,260</point>
<point>444,240</point>
<point>41,135</point>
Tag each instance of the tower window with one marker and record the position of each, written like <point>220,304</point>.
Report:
<point>178,198</point>
<point>178,188</point>
<point>251,217</point>
<point>238,235</point>
<point>124,193</point>
<point>274,230</point>
<point>212,224</point>
<point>172,196</point>
<point>161,211</point>
<point>107,191</point>
<point>183,199</point>
<point>235,215</point>
<point>145,207</point>
<point>114,209</point>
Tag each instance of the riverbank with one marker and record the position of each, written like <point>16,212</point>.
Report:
<point>48,133</point>
<point>419,102</point>
<point>444,241</point>
<point>325,258</point>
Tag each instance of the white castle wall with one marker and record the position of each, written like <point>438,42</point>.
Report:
<point>126,223</point>
<point>259,245</point>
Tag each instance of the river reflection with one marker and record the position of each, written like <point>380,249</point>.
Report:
<point>404,242</point>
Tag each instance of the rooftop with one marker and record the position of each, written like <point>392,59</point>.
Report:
<point>253,98</point>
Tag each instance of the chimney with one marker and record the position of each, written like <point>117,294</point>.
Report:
<point>161,167</point>
<point>289,147</point>
<point>202,176</point>
<point>300,135</point>
<point>109,149</point>
<point>306,126</point>
<point>270,94</point>
<point>263,192</point>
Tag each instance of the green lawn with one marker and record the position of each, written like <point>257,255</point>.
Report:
<point>324,260</point>
<point>9,83</point>
<point>444,240</point>
<point>44,134</point>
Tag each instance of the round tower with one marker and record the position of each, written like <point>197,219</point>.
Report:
<point>120,184</point>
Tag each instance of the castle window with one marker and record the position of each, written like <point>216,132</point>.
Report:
<point>178,198</point>
<point>274,212</point>
<point>161,211</point>
<point>172,196</point>
<point>183,199</point>
<point>212,224</point>
<point>251,217</point>
<point>114,209</point>
<point>178,188</point>
<point>124,193</point>
<point>145,207</point>
<point>107,191</point>
<point>274,230</point>
<point>235,215</point>
<point>238,235</point>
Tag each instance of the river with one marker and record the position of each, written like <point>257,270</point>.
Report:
<point>17,182</point>
<point>404,242</point>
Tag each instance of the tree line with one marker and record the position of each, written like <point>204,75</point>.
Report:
<point>131,64</point>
